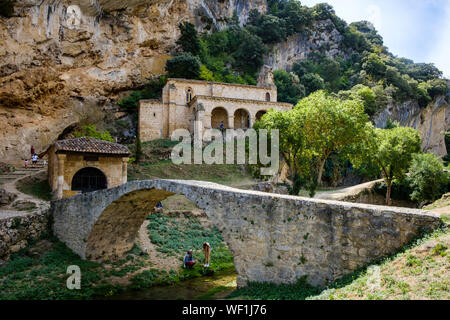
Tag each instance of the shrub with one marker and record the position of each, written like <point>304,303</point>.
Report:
<point>312,82</point>
<point>152,90</point>
<point>189,40</point>
<point>427,178</point>
<point>184,65</point>
<point>437,87</point>
<point>91,131</point>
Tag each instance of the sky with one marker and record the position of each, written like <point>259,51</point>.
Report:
<point>414,29</point>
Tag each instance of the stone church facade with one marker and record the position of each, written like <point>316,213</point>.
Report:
<point>185,102</point>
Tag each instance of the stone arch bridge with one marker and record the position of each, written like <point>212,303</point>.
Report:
<point>273,238</point>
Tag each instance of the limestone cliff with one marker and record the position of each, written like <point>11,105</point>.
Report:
<point>323,37</point>
<point>430,121</point>
<point>66,62</point>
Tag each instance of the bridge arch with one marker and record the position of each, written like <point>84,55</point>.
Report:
<point>273,238</point>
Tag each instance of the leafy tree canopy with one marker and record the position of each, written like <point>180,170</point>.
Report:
<point>427,178</point>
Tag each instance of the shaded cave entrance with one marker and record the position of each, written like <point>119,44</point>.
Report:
<point>165,235</point>
<point>89,179</point>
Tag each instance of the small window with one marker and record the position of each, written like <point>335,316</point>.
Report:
<point>188,95</point>
<point>267,96</point>
<point>154,114</point>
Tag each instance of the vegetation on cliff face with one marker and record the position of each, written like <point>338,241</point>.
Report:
<point>363,62</point>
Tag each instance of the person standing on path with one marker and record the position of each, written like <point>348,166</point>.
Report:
<point>207,252</point>
<point>32,151</point>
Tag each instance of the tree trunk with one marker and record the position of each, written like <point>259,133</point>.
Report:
<point>388,193</point>
<point>319,176</point>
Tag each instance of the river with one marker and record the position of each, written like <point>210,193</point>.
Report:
<point>223,282</point>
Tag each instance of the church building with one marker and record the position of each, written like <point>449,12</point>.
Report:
<point>184,102</point>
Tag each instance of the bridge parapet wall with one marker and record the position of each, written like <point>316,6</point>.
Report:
<point>273,238</point>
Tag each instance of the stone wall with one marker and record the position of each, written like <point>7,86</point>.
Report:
<point>113,167</point>
<point>16,229</point>
<point>273,238</point>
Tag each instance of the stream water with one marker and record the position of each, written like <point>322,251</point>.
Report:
<point>185,290</point>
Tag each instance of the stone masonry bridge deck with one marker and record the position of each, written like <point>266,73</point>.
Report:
<point>273,238</point>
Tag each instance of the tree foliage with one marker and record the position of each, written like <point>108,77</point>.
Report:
<point>391,150</point>
<point>93,132</point>
<point>184,65</point>
<point>189,40</point>
<point>331,125</point>
<point>427,178</point>
<point>289,87</point>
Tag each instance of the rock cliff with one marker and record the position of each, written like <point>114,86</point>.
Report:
<point>66,62</point>
<point>431,121</point>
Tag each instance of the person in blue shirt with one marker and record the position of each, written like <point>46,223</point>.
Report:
<point>189,259</point>
<point>159,207</point>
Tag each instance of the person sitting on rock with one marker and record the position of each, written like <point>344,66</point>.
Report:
<point>189,259</point>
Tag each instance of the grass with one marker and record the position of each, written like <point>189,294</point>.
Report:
<point>421,270</point>
<point>156,163</point>
<point>174,236</point>
<point>36,186</point>
<point>39,271</point>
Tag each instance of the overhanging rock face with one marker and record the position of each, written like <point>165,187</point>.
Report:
<point>273,238</point>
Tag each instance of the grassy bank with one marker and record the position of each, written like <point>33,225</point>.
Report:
<point>421,270</point>
<point>155,163</point>
<point>39,271</point>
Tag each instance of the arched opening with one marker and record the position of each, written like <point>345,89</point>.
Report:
<point>189,94</point>
<point>132,222</point>
<point>219,118</point>
<point>89,179</point>
<point>260,114</point>
<point>241,119</point>
<point>267,96</point>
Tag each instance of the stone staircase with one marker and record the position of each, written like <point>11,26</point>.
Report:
<point>22,172</point>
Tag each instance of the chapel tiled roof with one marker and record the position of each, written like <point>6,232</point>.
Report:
<point>91,145</point>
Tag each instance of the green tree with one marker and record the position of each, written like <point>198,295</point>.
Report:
<point>391,150</point>
<point>375,66</point>
<point>297,17</point>
<point>271,29</point>
<point>290,126</point>
<point>289,87</point>
<point>427,178</point>
<point>437,87</point>
<point>331,125</point>
<point>189,40</point>
<point>312,82</point>
<point>249,56</point>
<point>92,131</point>
<point>184,65</point>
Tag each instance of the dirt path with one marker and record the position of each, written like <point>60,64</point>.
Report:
<point>10,180</point>
<point>346,192</point>
<point>159,261</point>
